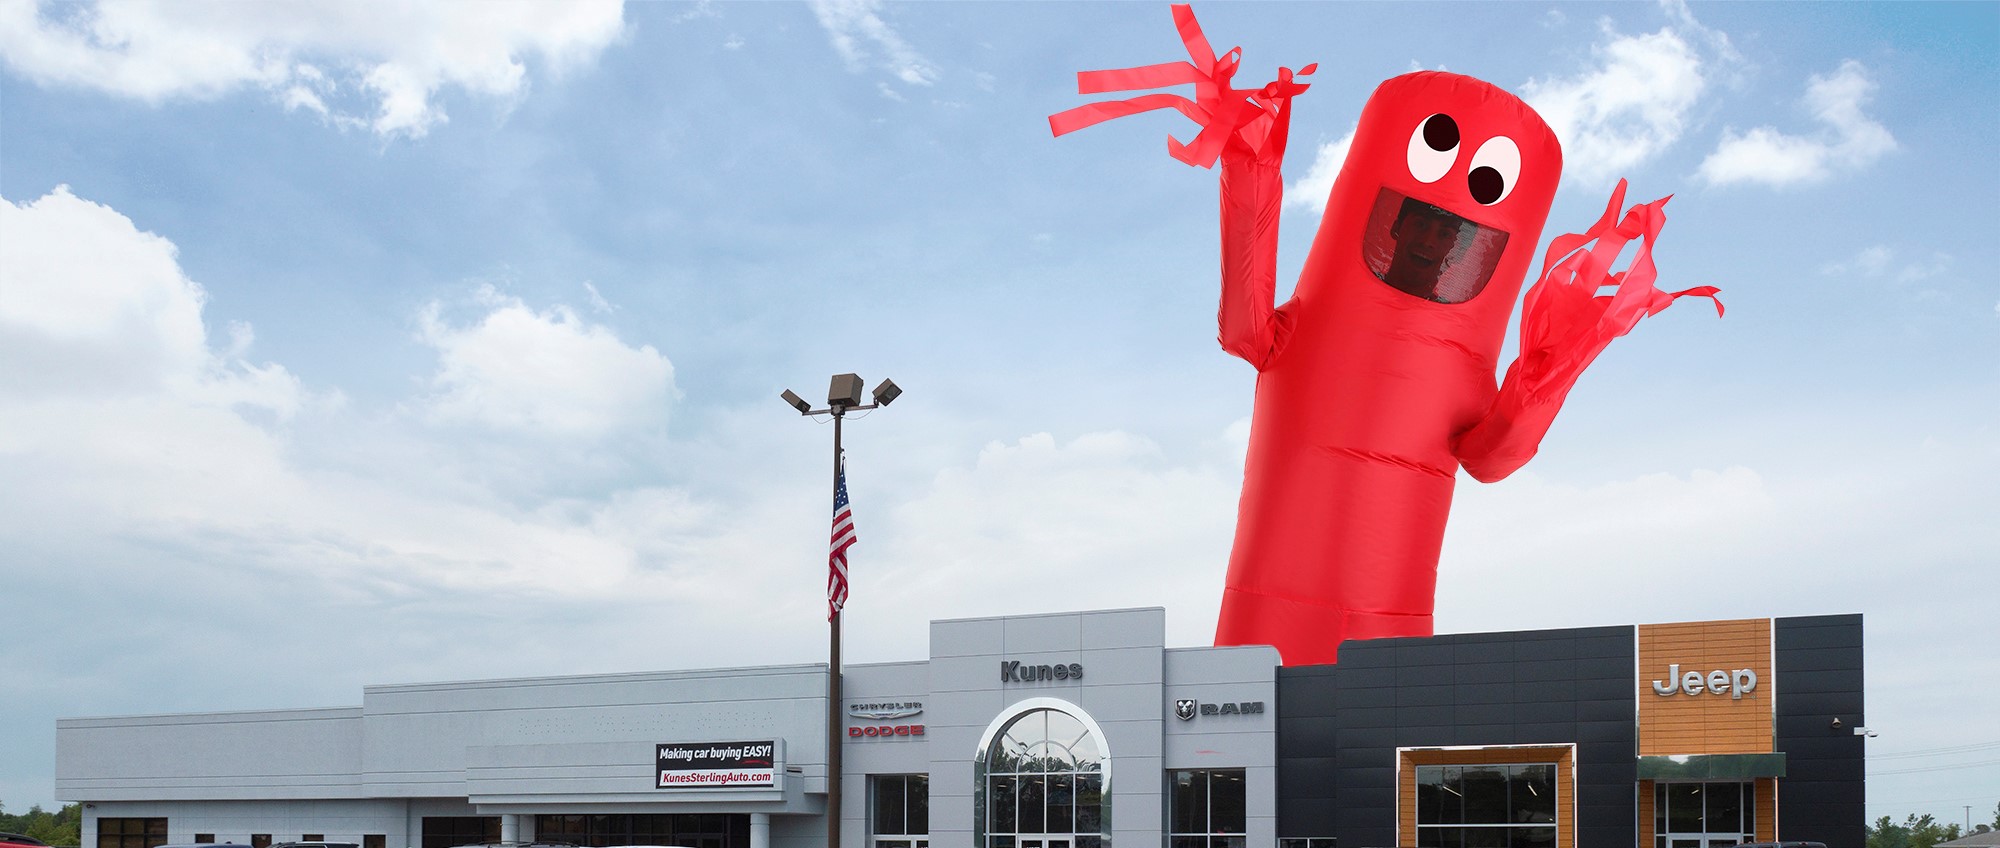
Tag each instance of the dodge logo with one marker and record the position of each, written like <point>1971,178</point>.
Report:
<point>1184,708</point>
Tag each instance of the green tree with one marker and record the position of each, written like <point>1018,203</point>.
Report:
<point>1925,832</point>
<point>1885,833</point>
<point>63,827</point>
<point>1915,832</point>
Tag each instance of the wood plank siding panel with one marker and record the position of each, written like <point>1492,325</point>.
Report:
<point>1707,723</point>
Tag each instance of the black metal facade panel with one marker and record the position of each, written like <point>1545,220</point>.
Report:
<point>1546,687</point>
<point>1817,662</point>
<point>1308,741</point>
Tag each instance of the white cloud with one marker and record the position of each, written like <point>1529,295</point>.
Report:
<point>393,56</point>
<point>1718,41</point>
<point>1871,261</point>
<point>1883,262</point>
<point>857,32</point>
<point>1732,543</point>
<point>1109,516</point>
<point>1849,140</point>
<point>597,301</point>
<point>1921,270</point>
<point>545,373</point>
<point>91,306</point>
<point>1626,110</point>
<point>120,419</point>
<point>1533,526</point>
<point>1312,190</point>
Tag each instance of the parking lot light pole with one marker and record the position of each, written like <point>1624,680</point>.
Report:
<point>842,396</point>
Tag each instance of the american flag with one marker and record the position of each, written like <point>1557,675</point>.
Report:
<point>843,538</point>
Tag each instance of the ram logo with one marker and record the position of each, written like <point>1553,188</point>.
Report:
<point>1184,709</point>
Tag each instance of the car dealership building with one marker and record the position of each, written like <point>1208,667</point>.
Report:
<point>1065,730</point>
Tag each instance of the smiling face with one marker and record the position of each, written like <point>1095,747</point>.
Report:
<point>1448,182</point>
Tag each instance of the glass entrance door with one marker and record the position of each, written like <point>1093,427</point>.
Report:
<point>1704,815</point>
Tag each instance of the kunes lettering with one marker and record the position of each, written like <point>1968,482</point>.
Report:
<point>1736,683</point>
<point>1015,672</point>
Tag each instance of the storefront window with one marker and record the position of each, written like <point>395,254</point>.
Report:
<point>900,810</point>
<point>1207,809</point>
<point>447,831</point>
<point>1041,780</point>
<point>1704,815</point>
<point>1486,806</point>
<point>131,833</point>
<point>698,830</point>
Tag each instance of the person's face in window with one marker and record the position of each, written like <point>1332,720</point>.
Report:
<point>1425,239</point>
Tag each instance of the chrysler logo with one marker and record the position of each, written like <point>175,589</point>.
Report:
<point>1184,708</point>
<point>885,712</point>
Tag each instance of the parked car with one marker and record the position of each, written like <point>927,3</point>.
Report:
<point>316,845</point>
<point>1784,845</point>
<point>20,839</point>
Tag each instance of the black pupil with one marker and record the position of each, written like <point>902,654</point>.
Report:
<point>1441,132</point>
<point>1486,184</point>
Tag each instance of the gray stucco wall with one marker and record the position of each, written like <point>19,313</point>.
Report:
<point>549,740</point>
<point>270,754</point>
<point>875,684</point>
<point>545,745</point>
<point>1232,676</point>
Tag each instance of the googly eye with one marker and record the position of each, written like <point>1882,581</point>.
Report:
<point>1433,147</point>
<point>1495,167</point>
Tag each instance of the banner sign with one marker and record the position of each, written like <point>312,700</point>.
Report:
<point>717,765</point>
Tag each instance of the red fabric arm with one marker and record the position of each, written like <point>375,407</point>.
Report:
<point>1565,324</point>
<point>1247,130</point>
<point>1246,324</point>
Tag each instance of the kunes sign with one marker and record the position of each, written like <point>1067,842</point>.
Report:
<point>1015,672</point>
<point>1736,683</point>
<point>717,765</point>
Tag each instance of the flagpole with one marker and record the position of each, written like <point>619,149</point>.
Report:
<point>833,701</point>
<point>842,396</point>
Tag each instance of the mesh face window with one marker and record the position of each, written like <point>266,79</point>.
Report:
<point>1429,252</point>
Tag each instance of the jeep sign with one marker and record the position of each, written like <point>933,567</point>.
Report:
<point>1717,682</point>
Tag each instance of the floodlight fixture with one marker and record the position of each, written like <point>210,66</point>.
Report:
<point>887,392</point>
<point>797,402</point>
<point>844,391</point>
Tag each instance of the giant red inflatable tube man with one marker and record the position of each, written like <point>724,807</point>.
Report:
<point>1376,380</point>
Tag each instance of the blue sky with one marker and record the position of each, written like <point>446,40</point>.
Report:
<point>351,343</point>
